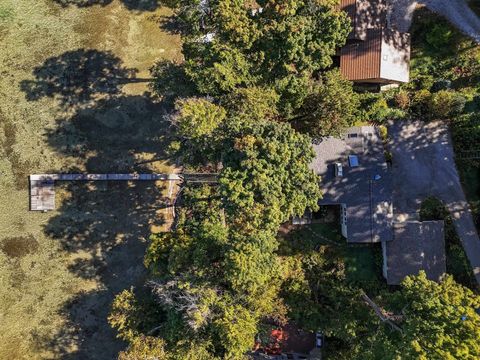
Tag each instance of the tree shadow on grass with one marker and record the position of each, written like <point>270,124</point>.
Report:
<point>78,77</point>
<point>104,226</point>
<point>170,82</point>
<point>137,5</point>
<point>117,134</point>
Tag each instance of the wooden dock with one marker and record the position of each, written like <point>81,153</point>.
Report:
<point>42,194</point>
<point>42,186</point>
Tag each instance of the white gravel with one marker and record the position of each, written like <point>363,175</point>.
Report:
<point>456,11</point>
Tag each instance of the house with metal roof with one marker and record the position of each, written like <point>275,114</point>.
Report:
<point>375,52</point>
<point>363,190</point>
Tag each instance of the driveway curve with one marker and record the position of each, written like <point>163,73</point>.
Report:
<point>424,166</point>
<point>455,11</point>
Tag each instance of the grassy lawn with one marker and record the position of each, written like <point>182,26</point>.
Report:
<point>362,262</point>
<point>73,96</point>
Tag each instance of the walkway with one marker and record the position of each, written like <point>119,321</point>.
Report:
<point>424,166</point>
<point>42,186</point>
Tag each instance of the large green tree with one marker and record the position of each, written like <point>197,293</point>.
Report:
<point>211,298</point>
<point>330,108</point>
<point>282,46</point>
<point>266,177</point>
<point>438,321</point>
<point>441,320</point>
<point>217,275</point>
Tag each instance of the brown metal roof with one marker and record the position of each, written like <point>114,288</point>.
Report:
<point>350,7</point>
<point>361,60</point>
<point>365,15</point>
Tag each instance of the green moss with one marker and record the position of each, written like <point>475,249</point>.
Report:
<point>6,13</point>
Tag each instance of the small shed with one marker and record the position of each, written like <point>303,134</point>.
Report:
<point>383,58</point>
<point>375,52</point>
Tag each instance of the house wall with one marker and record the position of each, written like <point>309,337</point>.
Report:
<point>384,254</point>
<point>343,220</point>
<point>395,56</point>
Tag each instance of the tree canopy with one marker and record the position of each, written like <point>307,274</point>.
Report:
<point>439,321</point>
<point>217,275</point>
<point>330,108</point>
<point>265,43</point>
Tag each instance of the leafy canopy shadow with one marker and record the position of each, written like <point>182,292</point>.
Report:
<point>137,5</point>
<point>79,76</point>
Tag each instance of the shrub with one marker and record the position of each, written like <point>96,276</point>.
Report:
<point>380,112</point>
<point>402,100</point>
<point>439,37</point>
<point>466,132</point>
<point>374,108</point>
<point>441,84</point>
<point>420,102</point>
<point>446,104</point>
<point>423,81</point>
<point>383,132</point>
<point>457,104</point>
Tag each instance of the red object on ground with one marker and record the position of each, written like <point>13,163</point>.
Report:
<point>288,339</point>
<point>277,337</point>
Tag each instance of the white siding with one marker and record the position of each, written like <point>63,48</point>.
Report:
<point>395,57</point>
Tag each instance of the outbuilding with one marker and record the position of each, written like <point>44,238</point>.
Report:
<point>375,52</point>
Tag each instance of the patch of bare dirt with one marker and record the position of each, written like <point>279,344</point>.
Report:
<point>19,246</point>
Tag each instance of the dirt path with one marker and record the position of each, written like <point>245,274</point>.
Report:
<point>456,11</point>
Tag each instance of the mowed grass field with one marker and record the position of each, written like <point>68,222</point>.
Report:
<point>74,97</point>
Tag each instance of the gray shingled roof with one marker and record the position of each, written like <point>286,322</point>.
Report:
<point>368,201</point>
<point>416,246</point>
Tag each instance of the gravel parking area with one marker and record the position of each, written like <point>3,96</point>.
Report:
<point>424,165</point>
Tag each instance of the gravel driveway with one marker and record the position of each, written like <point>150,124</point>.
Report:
<point>424,166</point>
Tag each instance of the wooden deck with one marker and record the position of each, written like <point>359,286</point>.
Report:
<point>42,186</point>
<point>42,195</point>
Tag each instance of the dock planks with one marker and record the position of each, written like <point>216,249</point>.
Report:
<point>42,186</point>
